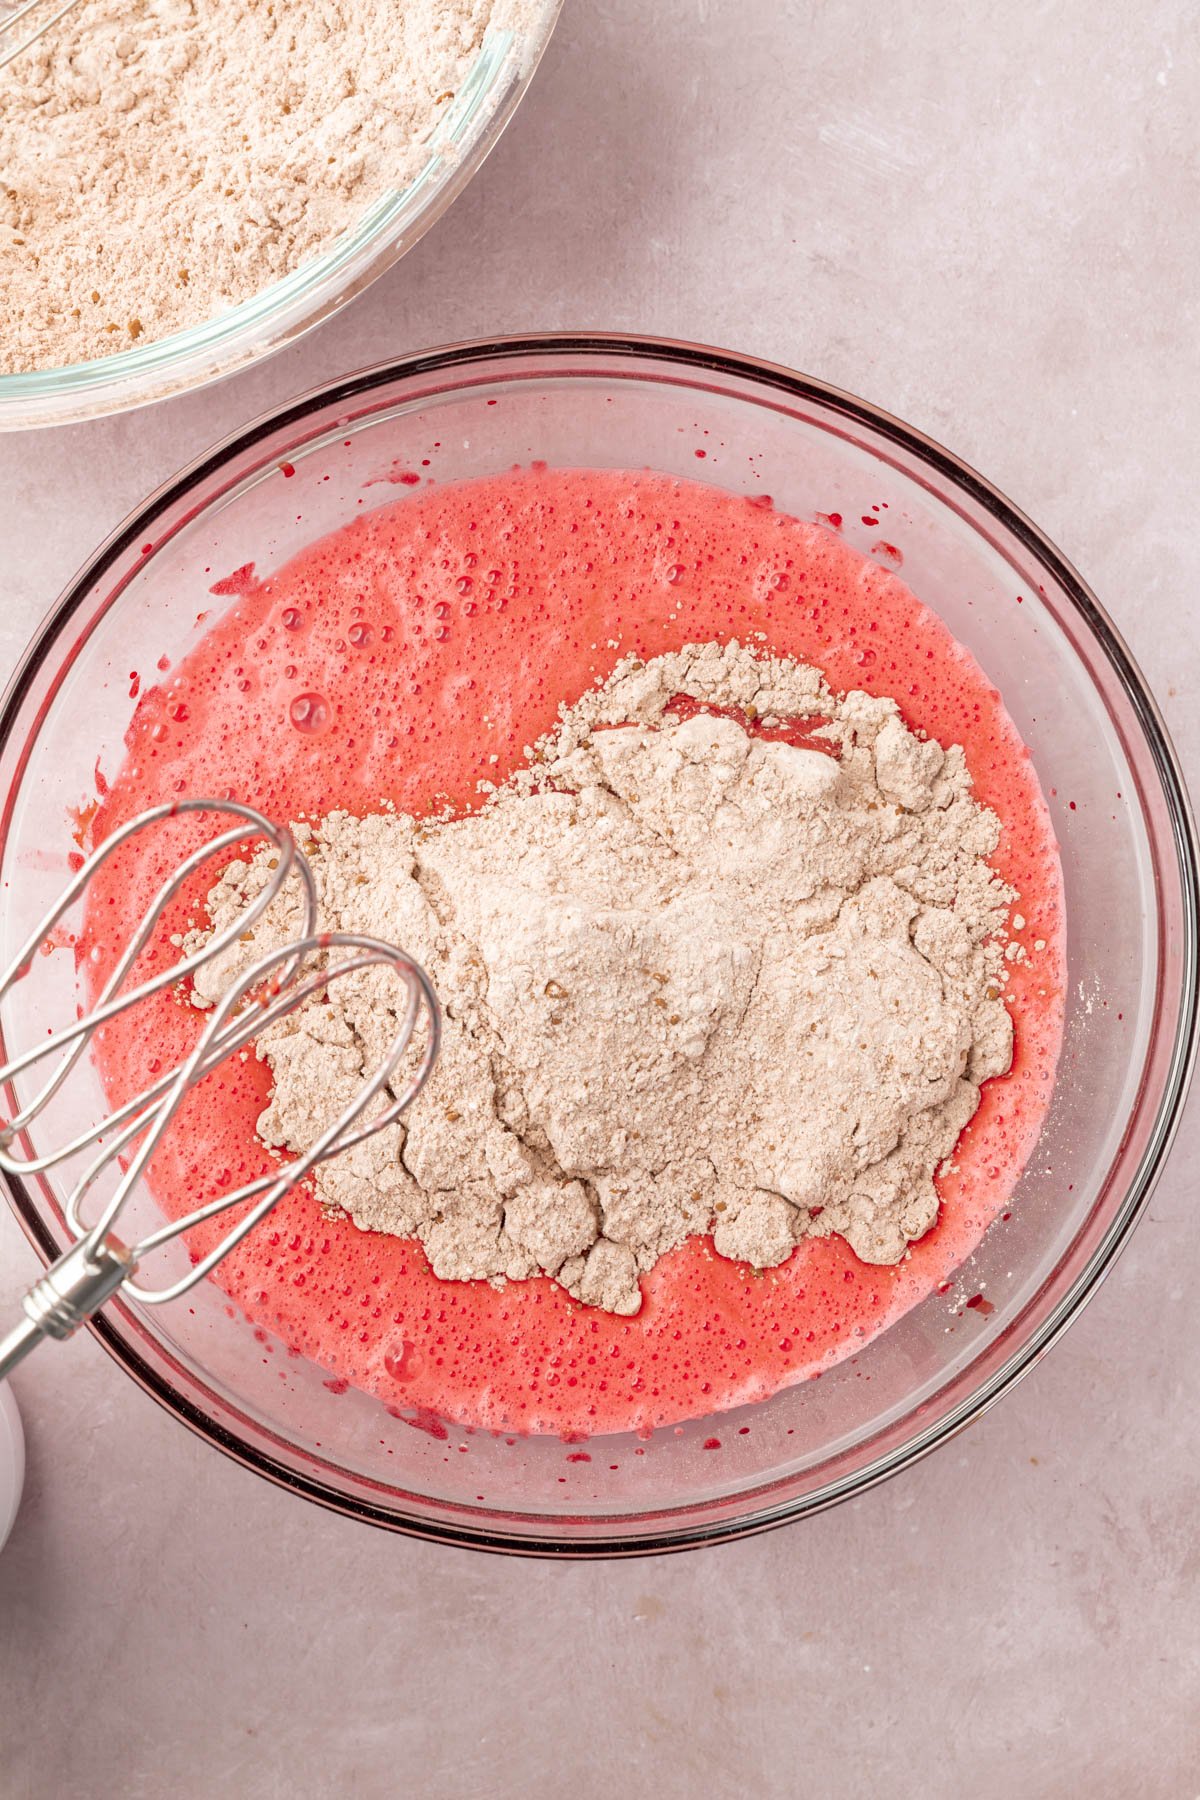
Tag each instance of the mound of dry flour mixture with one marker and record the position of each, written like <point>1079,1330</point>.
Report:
<point>693,980</point>
<point>162,160</point>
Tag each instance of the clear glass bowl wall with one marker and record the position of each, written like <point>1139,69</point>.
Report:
<point>1128,857</point>
<point>464,135</point>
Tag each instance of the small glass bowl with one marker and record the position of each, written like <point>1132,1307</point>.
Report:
<point>1119,808</point>
<point>465,133</point>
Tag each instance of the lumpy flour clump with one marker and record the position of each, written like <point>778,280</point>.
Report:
<point>701,971</point>
<point>162,160</point>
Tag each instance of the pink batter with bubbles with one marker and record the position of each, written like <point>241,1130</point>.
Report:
<point>392,661</point>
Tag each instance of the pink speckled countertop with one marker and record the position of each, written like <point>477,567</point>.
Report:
<point>985,220</point>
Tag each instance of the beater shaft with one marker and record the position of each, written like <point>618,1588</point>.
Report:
<point>68,1293</point>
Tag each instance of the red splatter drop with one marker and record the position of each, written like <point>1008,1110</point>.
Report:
<point>425,1419</point>
<point>238,585</point>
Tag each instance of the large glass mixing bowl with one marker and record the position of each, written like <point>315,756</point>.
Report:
<point>1119,807</point>
<point>465,133</point>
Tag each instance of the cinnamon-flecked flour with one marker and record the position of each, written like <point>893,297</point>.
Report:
<point>162,160</point>
<point>696,977</point>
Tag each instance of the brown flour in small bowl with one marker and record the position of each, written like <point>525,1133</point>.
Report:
<point>163,160</point>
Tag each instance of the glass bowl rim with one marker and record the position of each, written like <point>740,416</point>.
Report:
<point>696,359</point>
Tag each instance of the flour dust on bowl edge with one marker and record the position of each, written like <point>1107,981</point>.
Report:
<point>465,134</point>
<point>1119,810</point>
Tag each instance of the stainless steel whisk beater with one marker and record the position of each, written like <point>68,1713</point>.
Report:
<point>98,1264</point>
<point>14,40</point>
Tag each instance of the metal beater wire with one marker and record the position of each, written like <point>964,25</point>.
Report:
<point>334,1139</point>
<point>97,1264</point>
<point>8,28</point>
<point>110,1003</point>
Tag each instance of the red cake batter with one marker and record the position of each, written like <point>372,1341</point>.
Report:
<point>393,661</point>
